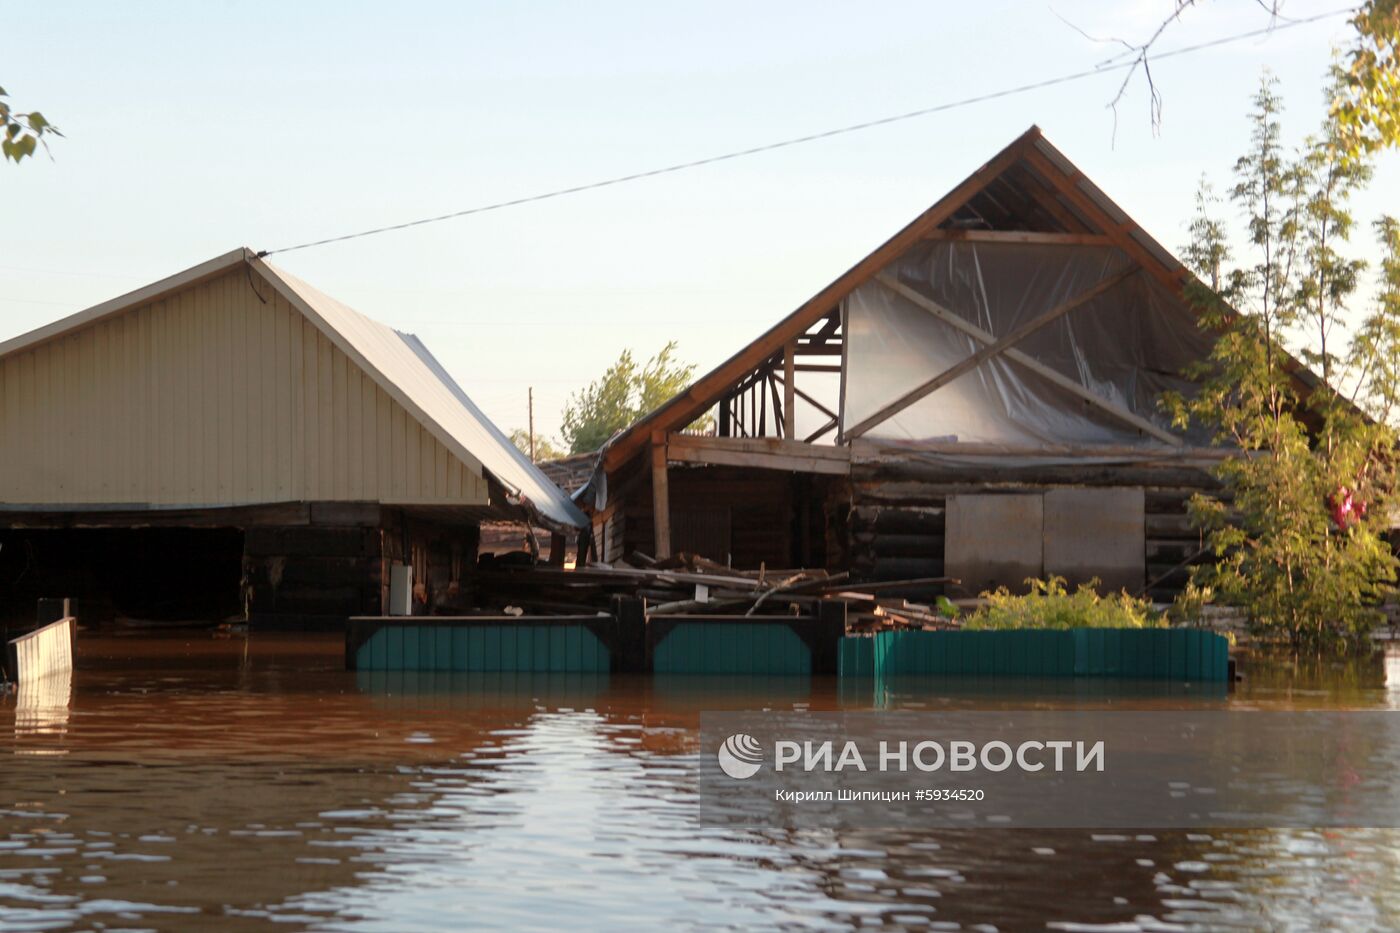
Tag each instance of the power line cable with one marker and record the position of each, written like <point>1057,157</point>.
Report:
<point>814,137</point>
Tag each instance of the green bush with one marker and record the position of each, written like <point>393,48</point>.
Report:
<point>1050,605</point>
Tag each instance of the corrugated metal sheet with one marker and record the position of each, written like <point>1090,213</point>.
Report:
<point>233,383</point>
<point>404,362</point>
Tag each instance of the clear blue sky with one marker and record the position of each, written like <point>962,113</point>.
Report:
<point>193,128</point>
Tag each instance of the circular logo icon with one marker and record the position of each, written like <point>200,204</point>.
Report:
<point>740,756</point>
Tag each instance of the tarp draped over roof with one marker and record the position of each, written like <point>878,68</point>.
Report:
<point>1029,187</point>
<point>1127,346</point>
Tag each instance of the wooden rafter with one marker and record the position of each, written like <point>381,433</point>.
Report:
<point>822,431</point>
<point>1029,362</point>
<point>789,397</point>
<point>1044,195</point>
<point>1022,236</point>
<point>1015,336</point>
<point>811,401</point>
<point>1111,228</point>
<point>682,408</point>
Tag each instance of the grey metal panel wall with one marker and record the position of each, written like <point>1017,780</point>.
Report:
<point>219,394</point>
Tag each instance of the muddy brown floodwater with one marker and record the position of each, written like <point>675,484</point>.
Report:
<point>188,782</point>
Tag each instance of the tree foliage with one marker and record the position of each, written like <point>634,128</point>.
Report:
<point>1296,534</point>
<point>544,447</point>
<point>1050,605</point>
<point>624,394</point>
<point>22,133</point>
<point>1367,105</point>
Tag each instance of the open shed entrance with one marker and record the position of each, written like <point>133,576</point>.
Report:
<point>157,574</point>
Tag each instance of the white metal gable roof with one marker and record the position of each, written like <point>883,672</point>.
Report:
<point>398,362</point>
<point>425,388</point>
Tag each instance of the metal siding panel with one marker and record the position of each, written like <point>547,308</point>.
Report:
<point>325,418</point>
<point>216,466</point>
<point>238,398</point>
<point>384,446</point>
<point>211,396</point>
<point>224,391</point>
<point>311,391</point>
<point>993,540</point>
<point>354,437</point>
<point>369,438</point>
<point>413,449</point>
<point>1096,533</point>
<point>398,451</point>
<point>284,322</point>
<point>340,427</point>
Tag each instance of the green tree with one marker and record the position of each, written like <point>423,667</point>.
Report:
<point>22,133</point>
<point>544,447</point>
<point>1367,102</point>
<point>1295,535</point>
<point>623,395</point>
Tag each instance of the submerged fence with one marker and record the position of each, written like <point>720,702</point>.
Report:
<point>1182,654</point>
<point>628,641</point>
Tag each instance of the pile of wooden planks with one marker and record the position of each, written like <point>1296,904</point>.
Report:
<point>690,584</point>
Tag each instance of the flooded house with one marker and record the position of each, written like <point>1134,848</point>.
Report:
<point>231,443</point>
<point>978,398</point>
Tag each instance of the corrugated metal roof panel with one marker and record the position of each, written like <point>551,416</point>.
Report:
<point>399,362</point>
<point>405,363</point>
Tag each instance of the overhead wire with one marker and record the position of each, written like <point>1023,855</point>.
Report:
<point>1103,68</point>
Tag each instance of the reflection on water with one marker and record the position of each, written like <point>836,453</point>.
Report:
<point>249,784</point>
<point>41,713</point>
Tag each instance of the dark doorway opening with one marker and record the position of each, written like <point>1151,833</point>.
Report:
<point>158,574</point>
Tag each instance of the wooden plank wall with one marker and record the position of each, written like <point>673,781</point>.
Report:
<point>776,518</point>
<point>211,396</point>
<point>759,504</point>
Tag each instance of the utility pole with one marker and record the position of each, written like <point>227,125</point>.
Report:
<point>532,424</point>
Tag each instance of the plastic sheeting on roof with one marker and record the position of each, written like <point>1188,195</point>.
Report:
<point>404,362</point>
<point>1127,346</point>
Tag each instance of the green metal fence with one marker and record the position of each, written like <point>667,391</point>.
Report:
<point>748,647</point>
<point>1177,654</point>
<point>565,645</point>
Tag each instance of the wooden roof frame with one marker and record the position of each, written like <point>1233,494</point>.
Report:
<point>1059,188</point>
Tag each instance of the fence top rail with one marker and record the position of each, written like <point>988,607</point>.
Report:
<point>481,620</point>
<point>66,620</point>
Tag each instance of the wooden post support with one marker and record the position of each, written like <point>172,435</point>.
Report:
<point>789,390</point>
<point>660,496</point>
<point>558,547</point>
<point>831,628</point>
<point>629,651</point>
<point>585,543</point>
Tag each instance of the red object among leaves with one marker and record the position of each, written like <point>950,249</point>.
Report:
<point>1346,509</point>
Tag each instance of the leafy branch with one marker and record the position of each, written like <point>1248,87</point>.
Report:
<point>22,132</point>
